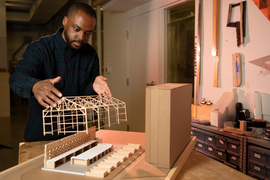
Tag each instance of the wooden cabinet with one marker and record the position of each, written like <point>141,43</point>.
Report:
<point>224,147</point>
<point>246,154</point>
<point>258,158</point>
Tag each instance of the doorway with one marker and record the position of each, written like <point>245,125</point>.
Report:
<point>179,56</point>
<point>143,60</point>
<point>145,41</point>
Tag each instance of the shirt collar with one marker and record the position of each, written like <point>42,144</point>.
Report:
<point>60,39</point>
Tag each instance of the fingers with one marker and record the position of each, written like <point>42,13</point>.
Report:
<point>55,80</point>
<point>108,91</point>
<point>45,92</point>
<point>41,102</point>
<point>54,90</point>
<point>101,86</point>
<point>44,99</point>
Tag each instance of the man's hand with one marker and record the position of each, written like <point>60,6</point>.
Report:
<point>45,92</point>
<point>101,86</point>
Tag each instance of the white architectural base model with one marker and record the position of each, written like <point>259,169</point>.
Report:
<point>76,114</point>
<point>106,166</point>
<point>82,151</point>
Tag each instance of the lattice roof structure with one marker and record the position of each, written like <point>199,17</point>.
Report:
<point>78,113</point>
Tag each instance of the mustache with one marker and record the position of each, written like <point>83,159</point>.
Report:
<point>78,41</point>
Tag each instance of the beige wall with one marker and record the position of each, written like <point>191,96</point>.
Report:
<point>115,55</point>
<point>257,44</point>
<point>115,52</point>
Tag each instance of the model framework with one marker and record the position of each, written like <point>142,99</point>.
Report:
<point>78,113</point>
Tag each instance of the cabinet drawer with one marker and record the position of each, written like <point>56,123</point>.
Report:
<point>267,171</point>
<point>255,175</point>
<point>200,146</point>
<point>268,158</point>
<point>220,160</point>
<point>220,153</point>
<point>210,139</point>
<point>210,149</point>
<point>257,168</point>
<point>200,135</point>
<point>221,142</point>
<point>231,165</point>
<point>233,146</point>
<point>257,154</point>
<point>233,158</point>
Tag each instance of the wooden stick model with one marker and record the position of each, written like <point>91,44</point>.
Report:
<point>75,114</point>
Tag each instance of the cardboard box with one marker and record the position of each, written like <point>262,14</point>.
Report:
<point>199,111</point>
<point>167,123</point>
<point>224,109</point>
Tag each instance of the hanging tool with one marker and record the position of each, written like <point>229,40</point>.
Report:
<point>239,25</point>
<point>237,70</point>
<point>197,58</point>
<point>215,47</point>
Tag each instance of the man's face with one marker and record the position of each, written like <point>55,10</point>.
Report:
<point>77,29</point>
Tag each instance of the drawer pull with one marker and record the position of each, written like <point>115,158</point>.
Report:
<point>233,158</point>
<point>210,149</point>
<point>210,139</point>
<point>220,153</point>
<point>233,146</point>
<point>257,168</point>
<point>200,145</point>
<point>257,155</point>
<point>221,142</point>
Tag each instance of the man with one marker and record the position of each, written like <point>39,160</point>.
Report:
<point>63,64</point>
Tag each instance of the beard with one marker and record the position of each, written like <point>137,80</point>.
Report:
<point>69,41</point>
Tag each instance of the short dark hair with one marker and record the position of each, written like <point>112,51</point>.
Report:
<point>74,8</point>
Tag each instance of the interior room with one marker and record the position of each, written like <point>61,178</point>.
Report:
<point>146,47</point>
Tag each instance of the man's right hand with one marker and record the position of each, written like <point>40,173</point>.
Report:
<point>45,92</point>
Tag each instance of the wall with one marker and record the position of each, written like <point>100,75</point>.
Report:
<point>139,60</point>
<point>257,45</point>
<point>115,55</point>
<point>115,41</point>
<point>115,48</point>
<point>15,39</point>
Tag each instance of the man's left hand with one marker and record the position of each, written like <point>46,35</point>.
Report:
<point>101,86</point>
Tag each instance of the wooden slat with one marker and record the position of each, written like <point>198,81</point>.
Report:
<point>181,160</point>
<point>215,47</point>
<point>216,67</point>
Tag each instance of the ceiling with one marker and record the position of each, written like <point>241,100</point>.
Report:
<point>32,11</point>
<point>123,5</point>
<point>37,12</point>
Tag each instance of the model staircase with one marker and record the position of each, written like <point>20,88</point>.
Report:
<point>264,6</point>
